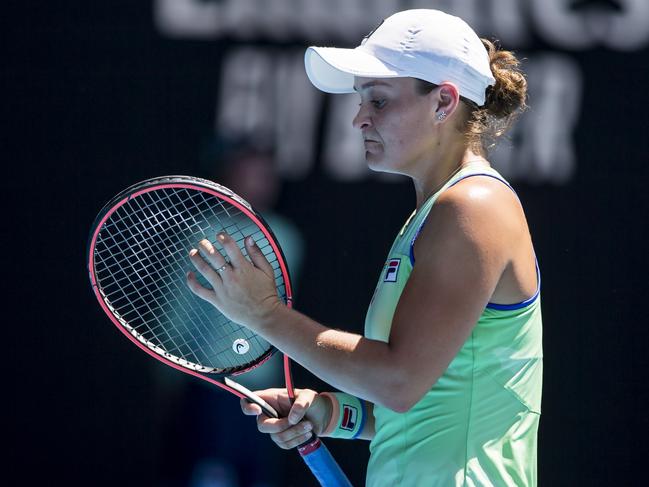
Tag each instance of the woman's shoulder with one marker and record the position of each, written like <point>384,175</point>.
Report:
<point>478,212</point>
<point>482,199</point>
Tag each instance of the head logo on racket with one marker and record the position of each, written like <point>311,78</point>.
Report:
<point>240,346</point>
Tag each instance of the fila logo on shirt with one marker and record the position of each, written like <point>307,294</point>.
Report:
<point>350,415</point>
<point>392,270</point>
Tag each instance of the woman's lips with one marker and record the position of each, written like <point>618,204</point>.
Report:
<point>371,144</point>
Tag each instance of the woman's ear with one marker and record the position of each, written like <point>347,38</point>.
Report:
<point>448,99</point>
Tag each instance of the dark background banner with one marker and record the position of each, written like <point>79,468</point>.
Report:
<point>98,96</point>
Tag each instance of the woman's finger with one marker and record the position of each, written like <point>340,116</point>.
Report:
<point>293,432</point>
<point>250,408</point>
<point>302,403</point>
<point>232,250</point>
<point>213,256</point>
<point>258,258</point>
<point>266,424</point>
<point>297,440</point>
<point>203,267</point>
<point>198,289</point>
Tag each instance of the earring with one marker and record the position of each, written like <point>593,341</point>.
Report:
<point>441,116</point>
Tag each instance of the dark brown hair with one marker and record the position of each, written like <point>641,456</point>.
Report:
<point>504,101</point>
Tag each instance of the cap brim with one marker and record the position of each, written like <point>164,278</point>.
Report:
<point>332,69</point>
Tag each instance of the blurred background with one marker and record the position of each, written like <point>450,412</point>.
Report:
<point>100,95</point>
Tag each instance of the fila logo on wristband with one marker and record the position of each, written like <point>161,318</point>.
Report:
<point>350,416</point>
<point>392,270</point>
<point>347,418</point>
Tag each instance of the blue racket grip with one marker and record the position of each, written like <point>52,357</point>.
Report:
<point>317,457</point>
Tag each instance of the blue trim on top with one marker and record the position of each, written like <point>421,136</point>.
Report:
<point>412,243</point>
<point>500,307</point>
<point>482,174</point>
<point>522,304</point>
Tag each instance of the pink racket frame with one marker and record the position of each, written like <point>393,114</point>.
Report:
<point>249,214</point>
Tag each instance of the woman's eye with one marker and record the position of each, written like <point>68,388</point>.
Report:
<point>376,103</point>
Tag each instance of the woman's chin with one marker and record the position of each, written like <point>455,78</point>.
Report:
<point>375,160</point>
<point>378,162</point>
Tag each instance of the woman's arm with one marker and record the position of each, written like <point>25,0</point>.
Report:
<point>461,254</point>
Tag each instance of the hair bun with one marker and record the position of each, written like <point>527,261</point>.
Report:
<point>509,93</point>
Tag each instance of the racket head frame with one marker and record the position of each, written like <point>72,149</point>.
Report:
<point>221,192</point>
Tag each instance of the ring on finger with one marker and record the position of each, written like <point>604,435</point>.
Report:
<point>222,268</point>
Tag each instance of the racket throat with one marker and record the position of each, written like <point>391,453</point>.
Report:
<point>251,397</point>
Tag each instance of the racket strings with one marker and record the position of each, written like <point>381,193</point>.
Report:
<point>176,265</point>
<point>184,346</point>
<point>141,259</point>
<point>178,315</point>
<point>149,282</point>
<point>236,224</point>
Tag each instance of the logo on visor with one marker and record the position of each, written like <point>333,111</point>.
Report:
<point>392,270</point>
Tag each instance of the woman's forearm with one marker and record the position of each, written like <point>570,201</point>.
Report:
<point>354,364</point>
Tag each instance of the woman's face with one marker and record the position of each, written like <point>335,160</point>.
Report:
<point>396,124</point>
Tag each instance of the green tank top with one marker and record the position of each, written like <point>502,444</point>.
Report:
<point>477,426</point>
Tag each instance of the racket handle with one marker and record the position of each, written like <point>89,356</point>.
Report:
<point>323,466</point>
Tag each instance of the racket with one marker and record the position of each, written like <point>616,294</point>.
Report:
<point>137,261</point>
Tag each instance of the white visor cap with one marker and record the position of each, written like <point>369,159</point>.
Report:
<point>426,44</point>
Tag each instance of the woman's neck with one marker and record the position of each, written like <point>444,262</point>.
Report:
<point>440,172</point>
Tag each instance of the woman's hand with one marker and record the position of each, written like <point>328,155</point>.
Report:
<point>310,413</point>
<point>243,290</point>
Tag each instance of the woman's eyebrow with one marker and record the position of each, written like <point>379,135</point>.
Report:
<point>369,84</point>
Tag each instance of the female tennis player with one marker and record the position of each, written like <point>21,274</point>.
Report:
<point>446,381</point>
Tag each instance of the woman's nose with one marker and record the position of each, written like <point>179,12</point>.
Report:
<point>362,120</point>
